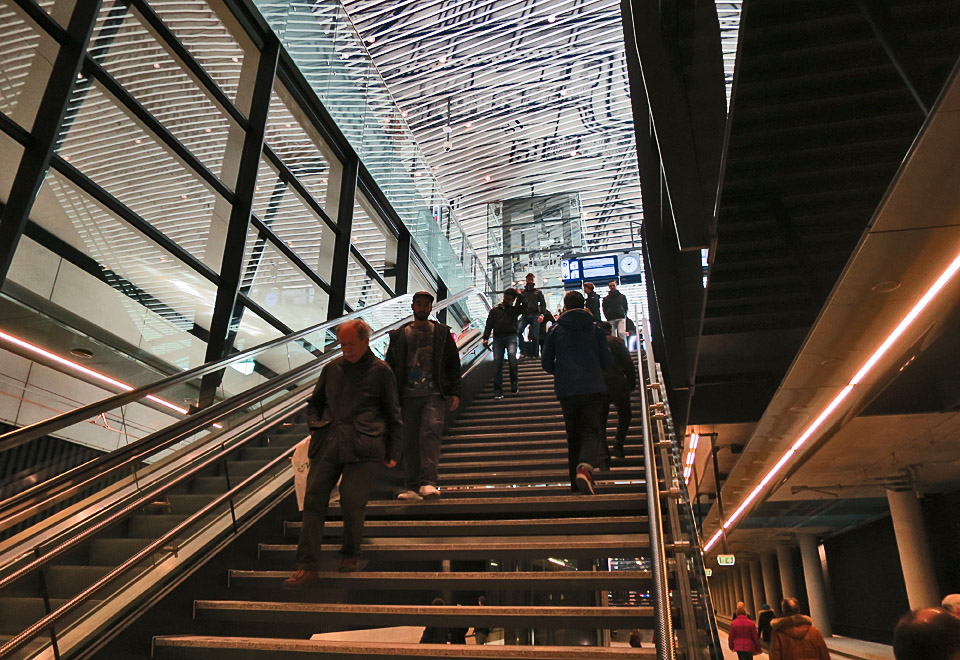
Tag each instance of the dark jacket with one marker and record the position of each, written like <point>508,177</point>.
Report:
<point>743,635</point>
<point>357,407</point>
<point>615,306</point>
<point>621,376</point>
<point>502,320</point>
<point>576,354</point>
<point>764,618</point>
<point>446,358</point>
<point>796,638</point>
<point>592,300</point>
<point>533,300</point>
<point>434,635</point>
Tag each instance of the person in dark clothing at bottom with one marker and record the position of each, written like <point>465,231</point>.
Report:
<point>620,379</point>
<point>576,354</point>
<point>502,322</point>
<point>355,425</point>
<point>435,634</point>
<point>927,634</point>
<point>764,617</point>
<point>481,634</point>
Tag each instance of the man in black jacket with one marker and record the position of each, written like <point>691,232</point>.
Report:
<point>355,424</point>
<point>535,305</point>
<point>425,359</point>
<point>502,321</point>
<point>620,379</point>
<point>615,309</point>
<point>592,299</point>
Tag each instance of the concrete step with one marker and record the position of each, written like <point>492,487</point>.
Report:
<point>553,489</point>
<point>193,647</point>
<point>480,547</point>
<point>527,466</point>
<point>478,581</point>
<point>526,526</point>
<point>454,447</point>
<point>634,435</point>
<point>239,611</point>
<point>496,475</point>
<point>518,502</point>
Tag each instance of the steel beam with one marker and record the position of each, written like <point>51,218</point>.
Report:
<point>45,131</point>
<point>341,251</point>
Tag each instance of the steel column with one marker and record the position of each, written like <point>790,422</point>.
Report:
<point>341,251</point>
<point>45,131</point>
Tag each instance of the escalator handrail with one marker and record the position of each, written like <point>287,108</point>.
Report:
<point>663,616</point>
<point>25,434</point>
<point>26,504</point>
<point>23,638</point>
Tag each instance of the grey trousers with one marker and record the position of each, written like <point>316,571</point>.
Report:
<point>422,431</point>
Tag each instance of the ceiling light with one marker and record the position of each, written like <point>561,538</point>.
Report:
<point>442,59</point>
<point>403,113</point>
<point>371,39</point>
<point>469,124</point>
<point>881,350</point>
<point>563,91</point>
<point>552,18</point>
<point>84,353</point>
<point>574,153</point>
<point>156,65</point>
<point>886,286</point>
<point>486,178</point>
<point>235,59</point>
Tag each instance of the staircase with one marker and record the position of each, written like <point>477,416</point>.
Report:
<point>508,526</point>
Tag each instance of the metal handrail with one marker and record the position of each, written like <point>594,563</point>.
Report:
<point>50,619</point>
<point>24,504</point>
<point>33,431</point>
<point>663,616</point>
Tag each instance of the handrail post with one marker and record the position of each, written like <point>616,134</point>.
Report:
<point>663,616</point>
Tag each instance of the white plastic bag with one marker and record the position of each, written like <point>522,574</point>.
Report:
<point>301,466</point>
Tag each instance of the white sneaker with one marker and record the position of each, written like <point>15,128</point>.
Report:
<point>410,495</point>
<point>429,491</point>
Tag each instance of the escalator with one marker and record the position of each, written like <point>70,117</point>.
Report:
<point>176,543</point>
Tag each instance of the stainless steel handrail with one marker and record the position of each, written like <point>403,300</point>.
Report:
<point>24,504</point>
<point>27,433</point>
<point>663,615</point>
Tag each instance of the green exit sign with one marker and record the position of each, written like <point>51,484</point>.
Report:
<point>726,560</point>
<point>708,571</point>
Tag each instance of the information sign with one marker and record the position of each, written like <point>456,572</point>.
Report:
<point>726,560</point>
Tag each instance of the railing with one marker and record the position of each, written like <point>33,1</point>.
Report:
<point>166,482</point>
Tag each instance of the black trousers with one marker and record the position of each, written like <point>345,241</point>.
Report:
<point>621,400</point>
<point>583,416</point>
<point>357,480</point>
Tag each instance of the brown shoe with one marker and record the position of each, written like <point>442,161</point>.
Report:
<point>349,565</point>
<point>301,578</point>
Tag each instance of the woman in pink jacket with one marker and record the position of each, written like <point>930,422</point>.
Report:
<point>743,636</point>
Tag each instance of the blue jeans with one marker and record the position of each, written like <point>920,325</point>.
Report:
<point>501,344</point>
<point>530,348</point>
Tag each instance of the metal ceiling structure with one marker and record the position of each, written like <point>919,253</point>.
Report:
<point>512,99</point>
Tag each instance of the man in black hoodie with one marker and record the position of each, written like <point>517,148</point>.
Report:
<point>615,309</point>
<point>620,379</point>
<point>534,307</point>
<point>576,354</point>
<point>592,300</point>
<point>502,321</point>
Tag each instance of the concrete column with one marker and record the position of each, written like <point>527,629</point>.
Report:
<point>728,592</point>
<point>771,593</point>
<point>756,581</point>
<point>788,581</point>
<point>813,578</point>
<point>747,587</point>
<point>914,549</point>
<point>737,586</point>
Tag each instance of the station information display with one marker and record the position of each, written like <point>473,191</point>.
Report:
<point>588,268</point>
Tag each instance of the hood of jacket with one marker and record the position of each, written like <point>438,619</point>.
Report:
<point>797,625</point>
<point>576,319</point>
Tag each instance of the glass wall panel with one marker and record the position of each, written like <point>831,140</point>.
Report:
<point>202,32</point>
<point>10,154</point>
<point>104,143</point>
<point>300,149</point>
<point>362,290</point>
<point>129,52</point>
<point>270,280</point>
<point>26,57</point>
<point>284,211</point>
<point>371,236</point>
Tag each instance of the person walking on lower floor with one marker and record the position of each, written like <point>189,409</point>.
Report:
<point>481,635</point>
<point>576,354</point>
<point>764,617</point>
<point>425,359</point>
<point>502,322</point>
<point>743,638</point>
<point>794,636</point>
<point>592,300</point>
<point>355,425</point>
<point>534,307</point>
<point>620,379</point>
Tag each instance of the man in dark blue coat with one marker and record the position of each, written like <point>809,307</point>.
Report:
<point>576,353</point>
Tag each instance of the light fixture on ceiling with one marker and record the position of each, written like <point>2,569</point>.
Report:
<point>563,91</point>
<point>552,18</point>
<point>486,178</point>
<point>403,113</point>
<point>83,353</point>
<point>371,39</point>
<point>865,369</point>
<point>574,153</point>
<point>469,124</point>
<point>886,286</point>
<point>442,59</point>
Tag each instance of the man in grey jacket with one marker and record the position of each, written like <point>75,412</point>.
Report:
<point>355,425</point>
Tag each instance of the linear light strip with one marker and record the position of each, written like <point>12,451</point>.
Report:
<point>881,350</point>
<point>85,370</point>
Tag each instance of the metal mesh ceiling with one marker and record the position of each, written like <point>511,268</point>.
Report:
<point>513,98</point>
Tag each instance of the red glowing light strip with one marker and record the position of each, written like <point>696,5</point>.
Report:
<point>881,350</point>
<point>85,370</point>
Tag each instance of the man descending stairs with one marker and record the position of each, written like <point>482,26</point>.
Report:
<point>508,526</point>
